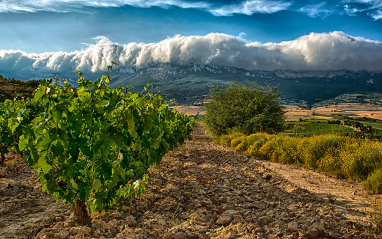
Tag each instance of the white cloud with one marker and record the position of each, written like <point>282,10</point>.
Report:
<point>71,5</point>
<point>316,51</point>
<point>316,10</point>
<point>372,7</point>
<point>351,11</point>
<point>373,4</point>
<point>242,35</point>
<point>245,7</point>
<point>377,15</point>
<point>249,7</point>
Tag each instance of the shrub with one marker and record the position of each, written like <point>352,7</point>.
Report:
<point>362,159</point>
<point>267,149</point>
<point>245,109</point>
<point>290,150</point>
<point>339,155</point>
<point>315,148</point>
<point>373,183</point>
<point>236,141</point>
<point>92,146</point>
<point>254,149</point>
<point>332,161</point>
<point>251,139</point>
<point>281,148</point>
<point>226,139</point>
<point>243,146</point>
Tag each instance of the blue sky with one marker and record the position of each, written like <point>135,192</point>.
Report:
<point>40,26</point>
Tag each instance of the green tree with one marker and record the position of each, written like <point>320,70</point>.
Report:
<point>244,108</point>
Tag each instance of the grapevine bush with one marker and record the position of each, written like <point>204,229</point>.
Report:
<point>92,146</point>
<point>14,115</point>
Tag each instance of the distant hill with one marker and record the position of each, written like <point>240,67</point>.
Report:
<point>11,88</point>
<point>374,98</point>
<point>189,84</point>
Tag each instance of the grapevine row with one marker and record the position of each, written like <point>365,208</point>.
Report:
<point>92,146</point>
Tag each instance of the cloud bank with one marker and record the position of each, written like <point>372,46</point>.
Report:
<point>316,51</point>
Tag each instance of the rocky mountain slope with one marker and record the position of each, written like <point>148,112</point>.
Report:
<point>188,84</point>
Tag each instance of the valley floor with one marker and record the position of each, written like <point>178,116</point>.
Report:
<point>201,190</point>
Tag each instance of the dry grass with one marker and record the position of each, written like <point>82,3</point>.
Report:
<point>190,110</point>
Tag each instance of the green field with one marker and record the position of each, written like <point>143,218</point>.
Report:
<point>308,127</point>
<point>316,127</point>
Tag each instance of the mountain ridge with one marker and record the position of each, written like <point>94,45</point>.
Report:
<point>193,81</point>
<point>188,84</point>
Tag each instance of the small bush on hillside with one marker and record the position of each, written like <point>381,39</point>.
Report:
<point>373,183</point>
<point>254,149</point>
<point>245,109</point>
<point>361,159</point>
<point>315,148</point>
<point>226,139</point>
<point>235,142</point>
<point>338,155</point>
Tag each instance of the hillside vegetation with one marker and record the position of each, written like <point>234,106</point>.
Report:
<point>344,146</point>
<point>342,156</point>
<point>11,88</point>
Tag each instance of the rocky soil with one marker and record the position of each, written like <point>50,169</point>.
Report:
<point>201,190</point>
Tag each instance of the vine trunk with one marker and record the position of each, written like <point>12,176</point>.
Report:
<point>81,215</point>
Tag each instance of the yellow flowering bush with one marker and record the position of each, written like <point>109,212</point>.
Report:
<point>333,162</point>
<point>237,141</point>
<point>362,159</point>
<point>339,155</point>
<point>226,139</point>
<point>373,183</point>
<point>254,149</point>
<point>289,149</point>
<point>315,148</point>
<point>267,149</point>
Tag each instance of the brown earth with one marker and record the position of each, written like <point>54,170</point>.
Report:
<point>294,113</point>
<point>201,190</point>
<point>191,110</point>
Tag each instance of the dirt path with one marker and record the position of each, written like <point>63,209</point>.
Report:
<point>203,190</point>
<point>348,197</point>
<point>24,209</point>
